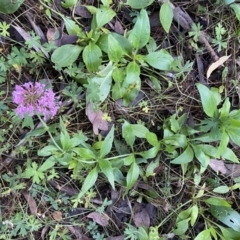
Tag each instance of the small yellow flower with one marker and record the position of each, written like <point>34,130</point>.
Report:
<point>146,109</point>
<point>105,117</point>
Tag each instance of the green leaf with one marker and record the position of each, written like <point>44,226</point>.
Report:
<point>124,43</point>
<point>140,34</point>
<point>151,167</point>
<point>229,233</point>
<point>86,153</point>
<point>104,15</point>
<point>234,134</point>
<point>205,234</point>
<point>185,157</point>
<point>89,182</point>
<point>128,134</point>
<point>107,169</point>
<point>230,155</point>
<point>115,51</point>
<point>194,214</point>
<point>132,176</point>
<point>104,81</point>
<point>225,109</point>
<point>226,215</point>
<point>8,6</point>
<point>152,139</point>
<point>68,3</point>
<point>208,100</point>
<point>66,55</point>
<point>139,3</point>
<point>201,156</point>
<point>107,143</point>
<point>49,163</point>
<point>182,227</point>
<point>47,151</point>
<point>161,60</point>
<point>223,143</point>
<point>217,202</point>
<point>92,57</point>
<point>166,16</point>
<point>132,83</point>
<point>236,9</point>
<point>221,189</point>
<point>72,27</point>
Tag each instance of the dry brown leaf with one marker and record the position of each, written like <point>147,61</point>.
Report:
<point>101,219</point>
<point>31,202</point>
<point>43,232</point>
<point>216,64</point>
<point>57,215</point>
<point>142,219</point>
<point>116,238</point>
<point>227,169</point>
<point>95,118</point>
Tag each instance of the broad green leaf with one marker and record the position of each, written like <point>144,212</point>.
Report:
<point>205,234</point>
<point>182,227</point>
<point>150,153</point>
<point>72,27</point>
<point>139,130</point>
<point>230,155</point>
<point>92,57</point>
<point>65,140</point>
<point>132,83</point>
<point>127,133</point>
<point>229,233</point>
<point>236,9</point>
<point>225,109</point>
<point>209,150</point>
<point>107,169</point>
<point>89,182</point>
<point>107,143</point>
<point>49,163</point>
<point>201,156</point>
<point>132,176</point>
<point>68,3</point>
<point>129,160</point>
<point>194,215</point>
<point>178,140</point>
<point>104,81</point>
<point>66,55</point>
<point>47,151</point>
<point>104,15</point>
<point>140,34</point>
<point>10,6</point>
<point>86,153</point>
<point>234,134</point>
<point>152,139</point>
<point>223,143</point>
<point>226,215</point>
<point>124,43</point>
<point>115,51</point>
<point>221,189</point>
<point>151,167</point>
<point>139,3</point>
<point>166,16</point>
<point>208,100</point>
<point>217,202</point>
<point>160,60</point>
<point>121,147</point>
<point>185,157</point>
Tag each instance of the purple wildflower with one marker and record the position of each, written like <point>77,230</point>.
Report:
<point>34,98</point>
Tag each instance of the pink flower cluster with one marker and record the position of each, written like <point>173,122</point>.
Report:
<point>35,98</point>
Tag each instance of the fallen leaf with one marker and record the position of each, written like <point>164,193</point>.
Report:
<point>216,64</point>
<point>57,215</point>
<point>96,118</point>
<point>227,169</point>
<point>116,238</point>
<point>101,219</point>
<point>141,219</point>
<point>82,12</point>
<point>43,232</point>
<point>31,202</point>
<point>118,28</point>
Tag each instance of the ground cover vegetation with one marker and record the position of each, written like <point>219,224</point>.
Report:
<point>119,119</point>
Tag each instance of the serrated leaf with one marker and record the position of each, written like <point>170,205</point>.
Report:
<point>166,16</point>
<point>92,57</point>
<point>140,34</point>
<point>66,55</point>
<point>107,169</point>
<point>185,157</point>
<point>107,143</point>
<point>161,60</point>
<point>89,182</point>
<point>104,15</point>
<point>208,100</point>
<point>139,3</point>
<point>8,6</point>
